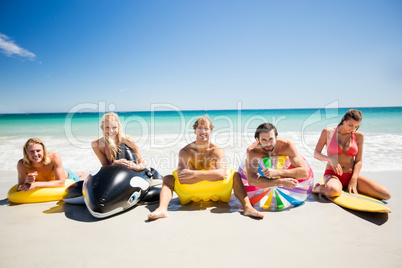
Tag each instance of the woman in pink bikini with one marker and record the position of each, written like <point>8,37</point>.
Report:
<point>113,143</point>
<point>344,160</point>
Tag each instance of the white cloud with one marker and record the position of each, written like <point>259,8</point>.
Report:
<point>9,48</point>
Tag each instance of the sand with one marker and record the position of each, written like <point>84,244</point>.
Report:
<point>205,234</point>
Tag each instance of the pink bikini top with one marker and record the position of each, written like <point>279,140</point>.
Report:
<point>334,148</point>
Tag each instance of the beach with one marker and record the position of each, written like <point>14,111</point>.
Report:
<point>161,65</point>
<point>206,234</point>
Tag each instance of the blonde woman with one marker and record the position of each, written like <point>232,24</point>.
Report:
<point>113,147</point>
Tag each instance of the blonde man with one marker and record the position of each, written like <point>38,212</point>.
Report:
<point>40,169</point>
<point>198,161</point>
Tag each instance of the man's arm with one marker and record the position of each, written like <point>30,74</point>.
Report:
<point>255,179</point>
<point>188,175</point>
<point>59,174</point>
<point>22,175</point>
<point>299,170</point>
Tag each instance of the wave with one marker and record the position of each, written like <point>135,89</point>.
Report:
<point>381,151</point>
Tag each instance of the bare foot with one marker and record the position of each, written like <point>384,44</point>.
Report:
<point>157,214</point>
<point>317,189</point>
<point>253,213</point>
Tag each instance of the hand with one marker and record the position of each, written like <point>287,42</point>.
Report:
<point>287,182</point>
<point>124,163</point>
<point>137,167</point>
<point>335,165</point>
<point>270,173</point>
<point>119,162</point>
<point>352,186</point>
<point>129,164</point>
<point>26,187</point>
<point>31,177</point>
<point>184,173</point>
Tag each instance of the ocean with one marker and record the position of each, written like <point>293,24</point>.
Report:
<point>161,134</point>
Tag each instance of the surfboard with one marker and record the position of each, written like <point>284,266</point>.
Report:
<point>359,202</point>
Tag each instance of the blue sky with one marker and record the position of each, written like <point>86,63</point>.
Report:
<point>59,55</point>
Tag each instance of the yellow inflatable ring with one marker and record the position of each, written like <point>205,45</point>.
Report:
<point>38,195</point>
<point>205,190</point>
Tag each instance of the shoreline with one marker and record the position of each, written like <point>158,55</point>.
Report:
<point>201,234</point>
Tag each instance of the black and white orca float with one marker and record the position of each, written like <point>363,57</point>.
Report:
<point>113,189</point>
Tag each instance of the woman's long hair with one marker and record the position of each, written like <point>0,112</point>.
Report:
<point>113,145</point>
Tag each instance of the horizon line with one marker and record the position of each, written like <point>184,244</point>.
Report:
<point>199,110</point>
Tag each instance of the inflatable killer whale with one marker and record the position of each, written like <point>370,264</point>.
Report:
<point>114,189</point>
